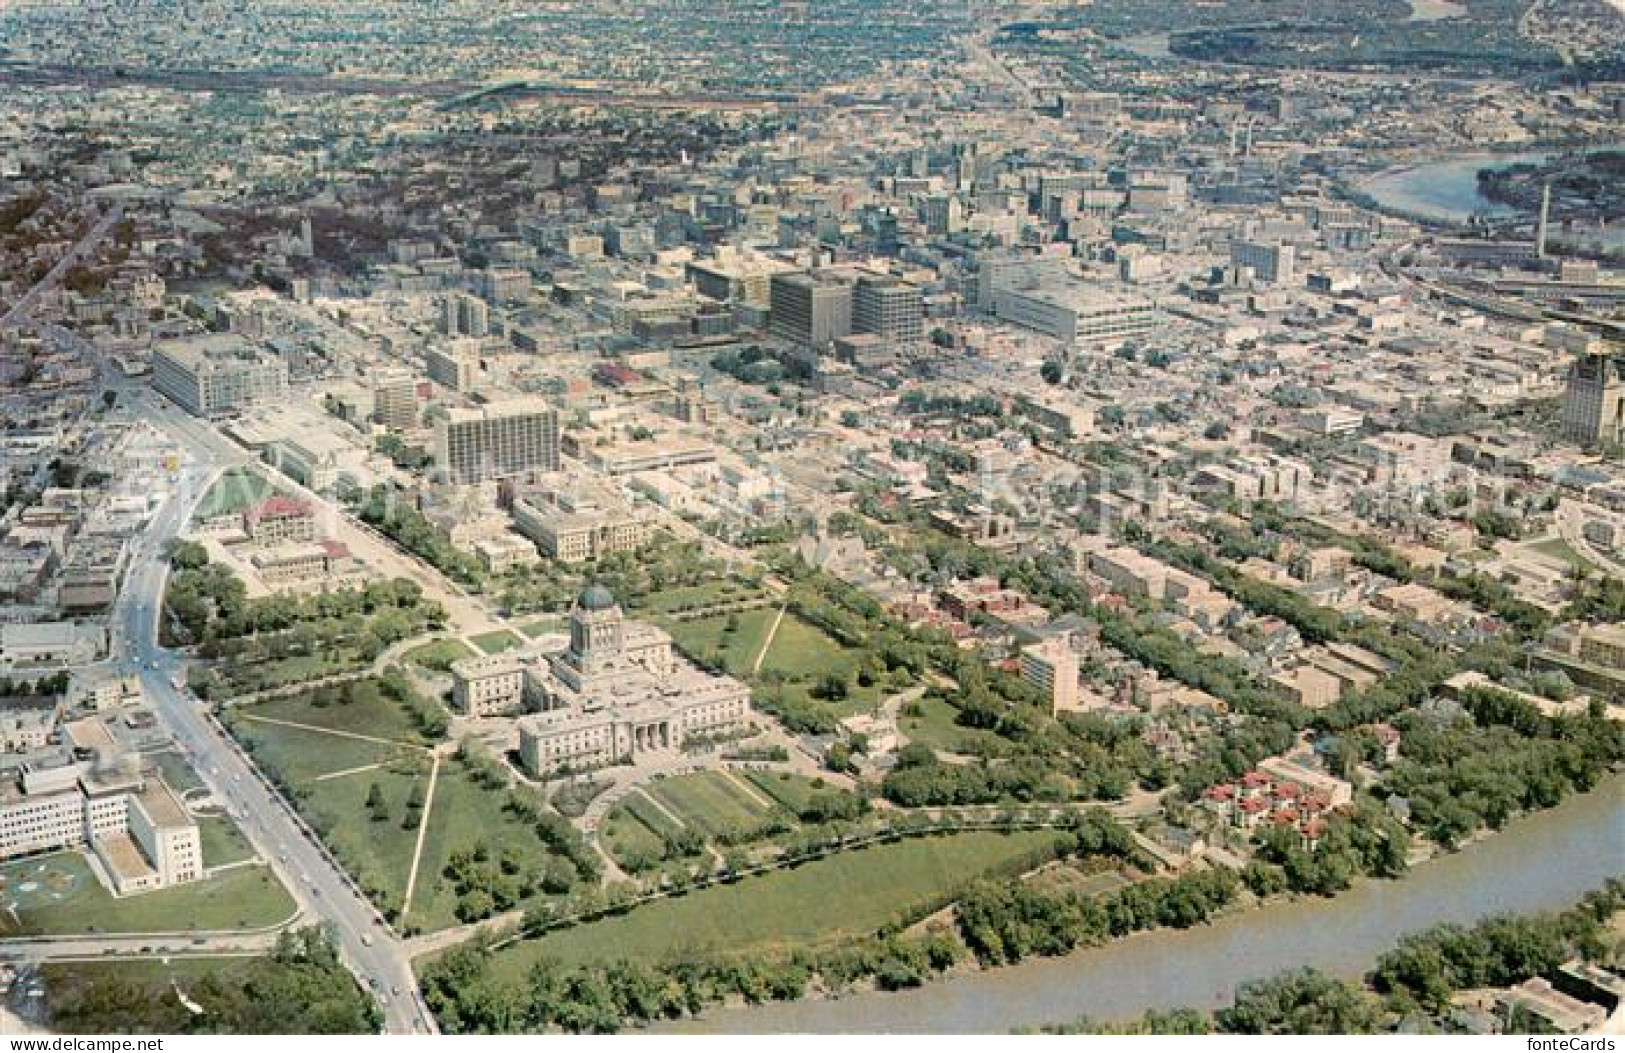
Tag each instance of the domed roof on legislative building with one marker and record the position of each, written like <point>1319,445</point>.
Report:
<point>595,598</point>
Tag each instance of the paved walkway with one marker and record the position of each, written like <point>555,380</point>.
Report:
<point>744,787</point>
<point>334,731</point>
<point>767,641</point>
<point>345,772</point>
<point>423,831</point>
<point>655,803</point>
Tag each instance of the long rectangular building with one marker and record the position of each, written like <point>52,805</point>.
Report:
<point>138,829</point>
<point>217,373</point>
<point>1073,312</point>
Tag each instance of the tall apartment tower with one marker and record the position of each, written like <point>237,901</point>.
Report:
<point>501,441</point>
<point>888,307</point>
<point>1594,405</point>
<point>465,315</point>
<point>810,310</point>
<point>1052,667</point>
<point>395,399</point>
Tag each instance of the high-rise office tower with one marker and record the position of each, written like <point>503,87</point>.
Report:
<point>454,365</point>
<point>810,310</point>
<point>1594,405</point>
<point>889,307</point>
<point>217,373</point>
<point>1545,216</point>
<point>1270,262</point>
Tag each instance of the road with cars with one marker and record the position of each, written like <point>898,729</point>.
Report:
<point>278,835</point>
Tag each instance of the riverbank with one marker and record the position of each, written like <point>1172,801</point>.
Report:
<point>1446,190</point>
<point>1538,862</point>
<point>1443,191</point>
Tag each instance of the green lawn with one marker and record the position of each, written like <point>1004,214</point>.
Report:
<point>245,897</point>
<point>803,654</point>
<point>708,801</point>
<point>439,654</point>
<point>175,769</point>
<point>1557,548</point>
<point>936,726</point>
<point>787,788</point>
<point>223,842</point>
<point>373,714</point>
<point>542,626</point>
<point>376,852</point>
<point>694,597</point>
<point>464,813</point>
<point>301,755</point>
<point>236,490</point>
<point>69,984</point>
<point>245,677</point>
<point>498,641</point>
<point>625,836</point>
<point>738,649</point>
<point>822,902</point>
<point>800,656</point>
<point>640,808</point>
<point>153,973</point>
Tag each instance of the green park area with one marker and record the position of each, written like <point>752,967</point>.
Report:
<point>383,711</point>
<point>710,801</point>
<point>1558,549</point>
<point>933,722</point>
<point>681,599</point>
<point>298,987</point>
<point>375,841</point>
<point>59,895</point>
<point>818,903</point>
<point>253,644</point>
<point>223,843</point>
<point>362,773</point>
<point>329,749</point>
<point>807,661</point>
<point>730,642</point>
<point>468,820</point>
<point>498,641</point>
<point>805,676</point>
<point>720,808</point>
<point>438,655</point>
<point>542,626</point>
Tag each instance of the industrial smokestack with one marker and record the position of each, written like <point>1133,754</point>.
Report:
<point>1545,213</point>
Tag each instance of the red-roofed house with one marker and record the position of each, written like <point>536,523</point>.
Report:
<point>278,520</point>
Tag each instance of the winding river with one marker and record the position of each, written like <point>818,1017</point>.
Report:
<point>1539,862</point>
<point>1444,190</point>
